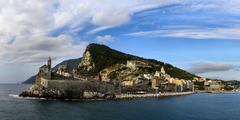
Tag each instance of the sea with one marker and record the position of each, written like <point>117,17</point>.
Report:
<point>201,106</point>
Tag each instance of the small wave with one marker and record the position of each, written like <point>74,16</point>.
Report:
<point>14,96</point>
<point>28,98</point>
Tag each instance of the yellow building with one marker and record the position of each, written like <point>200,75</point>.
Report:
<point>179,85</point>
<point>178,82</point>
<point>128,83</point>
<point>155,83</point>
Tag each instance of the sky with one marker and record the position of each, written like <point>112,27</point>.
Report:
<point>200,36</point>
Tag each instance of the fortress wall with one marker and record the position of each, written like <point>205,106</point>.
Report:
<point>62,84</point>
<point>65,84</point>
<point>76,86</point>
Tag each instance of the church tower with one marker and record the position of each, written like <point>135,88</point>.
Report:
<point>162,70</point>
<point>49,63</point>
<point>45,72</point>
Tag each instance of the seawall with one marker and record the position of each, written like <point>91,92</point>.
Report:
<point>149,95</point>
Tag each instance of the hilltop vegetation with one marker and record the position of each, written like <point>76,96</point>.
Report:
<point>101,57</point>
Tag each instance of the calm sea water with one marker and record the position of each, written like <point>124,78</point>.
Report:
<point>192,107</point>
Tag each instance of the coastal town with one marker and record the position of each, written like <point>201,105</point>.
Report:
<point>63,80</point>
<point>134,78</point>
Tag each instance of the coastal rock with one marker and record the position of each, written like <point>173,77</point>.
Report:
<point>87,63</point>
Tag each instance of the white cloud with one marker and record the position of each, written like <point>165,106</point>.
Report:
<point>18,19</point>
<point>104,38</point>
<point>192,32</point>
<point>207,6</point>
<point>217,6</point>
<point>98,29</point>
<point>35,49</point>
<point>110,18</point>
<point>110,13</point>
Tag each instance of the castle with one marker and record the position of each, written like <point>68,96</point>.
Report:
<point>47,83</point>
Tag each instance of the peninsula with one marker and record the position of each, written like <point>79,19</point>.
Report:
<point>104,73</point>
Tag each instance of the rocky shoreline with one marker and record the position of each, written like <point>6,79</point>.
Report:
<point>62,96</point>
<point>98,96</point>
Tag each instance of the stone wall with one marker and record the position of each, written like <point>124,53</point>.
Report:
<point>76,85</point>
<point>65,84</point>
<point>62,84</point>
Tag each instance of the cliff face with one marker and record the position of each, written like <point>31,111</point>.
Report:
<point>101,62</point>
<point>97,57</point>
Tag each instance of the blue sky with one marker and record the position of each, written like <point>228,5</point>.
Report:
<point>201,36</point>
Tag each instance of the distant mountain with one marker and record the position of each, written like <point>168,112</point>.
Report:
<point>30,80</point>
<point>72,64</point>
<point>98,59</point>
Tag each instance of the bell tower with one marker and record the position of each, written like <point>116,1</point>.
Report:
<point>163,70</point>
<point>49,63</point>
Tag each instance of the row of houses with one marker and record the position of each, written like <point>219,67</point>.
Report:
<point>161,82</point>
<point>212,85</point>
<point>165,83</point>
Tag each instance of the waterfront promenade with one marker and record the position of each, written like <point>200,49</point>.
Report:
<point>150,95</point>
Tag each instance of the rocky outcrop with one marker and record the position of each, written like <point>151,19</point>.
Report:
<point>87,63</point>
<point>99,61</point>
<point>72,90</point>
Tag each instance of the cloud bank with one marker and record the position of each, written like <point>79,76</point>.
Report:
<point>104,38</point>
<point>192,32</point>
<point>200,68</point>
<point>27,25</point>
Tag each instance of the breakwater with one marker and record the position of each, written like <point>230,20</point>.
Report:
<point>152,95</point>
